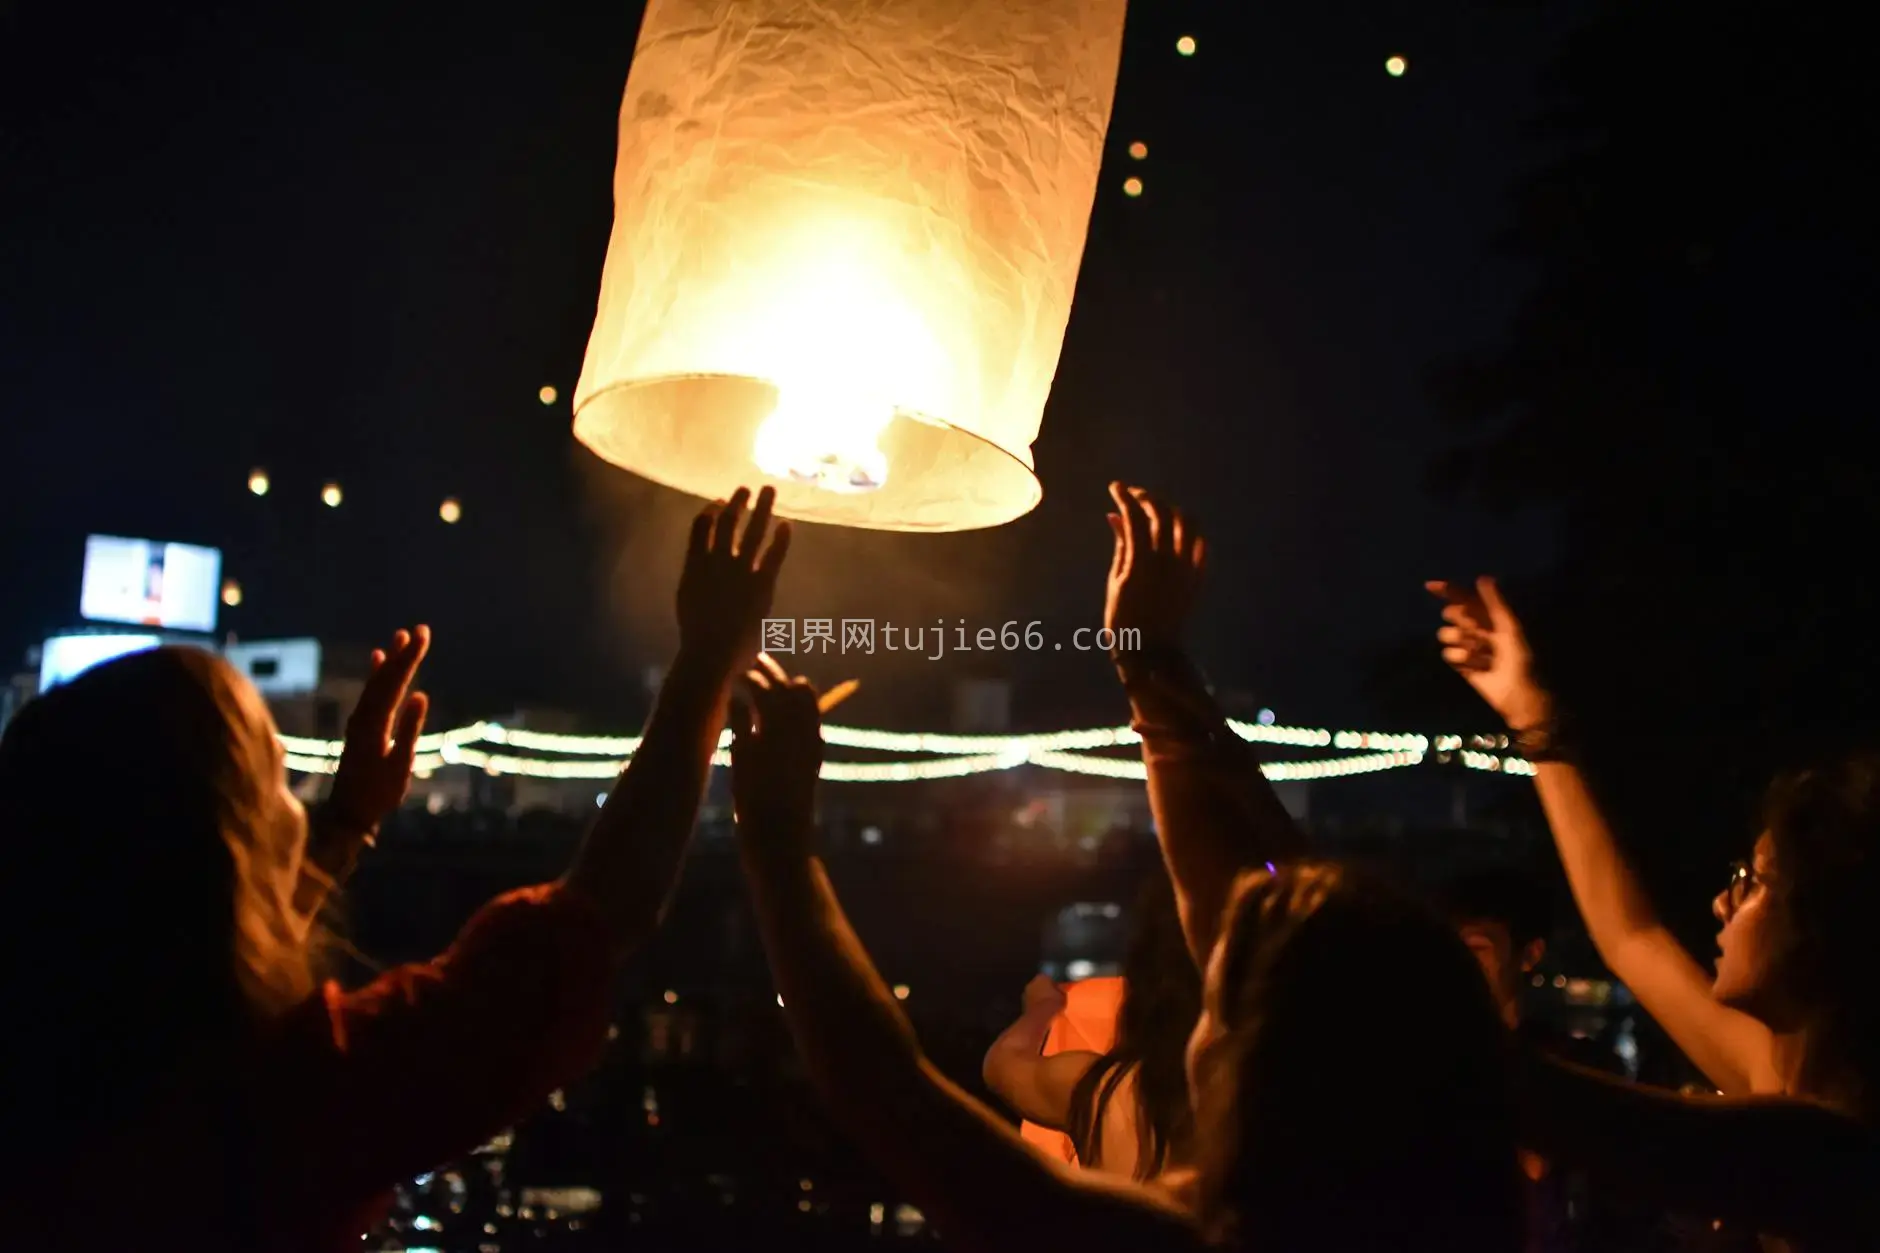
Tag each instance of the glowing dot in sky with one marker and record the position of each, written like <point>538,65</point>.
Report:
<point>1185,45</point>
<point>1132,187</point>
<point>258,482</point>
<point>547,395</point>
<point>331,495</point>
<point>900,991</point>
<point>231,593</point>
<point>1139,150</point>
<point>450,510</point>
<point>1396,66</point>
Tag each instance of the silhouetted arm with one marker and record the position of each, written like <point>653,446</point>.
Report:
<point>629,863</point>
<point>1782,1167</point>
<point>1735,1050</point>
<point>374,770</point>
<point>1215,812</point>
<point>984,1186</point>
<point>1485,642</point>
<point>1038,1087</point>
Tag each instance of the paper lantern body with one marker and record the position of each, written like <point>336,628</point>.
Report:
<point>845,242</point>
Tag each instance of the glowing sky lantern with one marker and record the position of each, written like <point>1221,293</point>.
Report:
<point>844,247</point>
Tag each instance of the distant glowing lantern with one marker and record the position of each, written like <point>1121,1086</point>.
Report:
<point>1132,187</point>
<point>258,482</point>
<point>231,593</point>
<point>1139,150</point>
<point>547,395</point>
<point>1185,45</point>
<point>845,243</point>
<point>450,510</point>
<point>331,495</point>
<point>1395,67</point>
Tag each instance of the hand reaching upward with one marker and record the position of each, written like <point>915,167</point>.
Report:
<point>1155,568</point>
<point>729,579</point>
<point>776,758</point>
<point>1483,642</point>
<point>374,771</point>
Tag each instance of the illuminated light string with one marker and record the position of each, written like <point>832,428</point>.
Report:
<point>603,757</point>
<point>1497,764</point>
<point>620,746</point>
<point>955,767</point>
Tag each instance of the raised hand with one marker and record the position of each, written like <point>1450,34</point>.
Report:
<point>776,757</point>
<point>374,771</point>
<point>729,579</point>
<point>1155,569</point>
<point>1483,642</point>
<point>1042,994</point>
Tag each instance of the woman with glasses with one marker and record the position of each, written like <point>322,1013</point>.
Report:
<point>1794,1007</point>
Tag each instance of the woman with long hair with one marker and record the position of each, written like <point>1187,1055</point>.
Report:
<point>1125,1109</point>
<point>1294,1147</point>
<point>181,1075</point>
<point>1794,1006</point>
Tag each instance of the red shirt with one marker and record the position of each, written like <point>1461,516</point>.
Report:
<point>354,1092</point>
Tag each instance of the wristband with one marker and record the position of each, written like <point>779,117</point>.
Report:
<point>1542,742</point>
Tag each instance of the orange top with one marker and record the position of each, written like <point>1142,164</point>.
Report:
<point>355,1092</point>
<point>1087,1024</point>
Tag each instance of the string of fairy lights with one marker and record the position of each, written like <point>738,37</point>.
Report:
<point>499,750</point>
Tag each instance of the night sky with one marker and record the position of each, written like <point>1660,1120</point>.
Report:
<point>343,243</point>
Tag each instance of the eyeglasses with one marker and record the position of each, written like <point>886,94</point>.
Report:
<point>1743,881</point>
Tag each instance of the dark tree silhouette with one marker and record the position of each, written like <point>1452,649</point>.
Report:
<point>1687,383</point>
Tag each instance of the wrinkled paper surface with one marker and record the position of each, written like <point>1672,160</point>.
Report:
<point>892,193</point>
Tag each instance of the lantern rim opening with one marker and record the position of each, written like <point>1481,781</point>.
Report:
<point>696,433</point>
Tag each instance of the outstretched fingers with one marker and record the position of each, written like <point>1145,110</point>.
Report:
<point>725,527</point>
<point>751,544</point>
<point>1136,524</point>
<point>411,717</point>
<point>771,563</point>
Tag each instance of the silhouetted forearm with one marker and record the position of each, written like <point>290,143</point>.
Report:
<point>631,857</point>
<point>1783,1167</point>
<point>1216,814</point>
<point>332,852</point>
<point>983,1186</point>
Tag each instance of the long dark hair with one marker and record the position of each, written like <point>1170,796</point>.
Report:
<point>1824,828</point>
<point>1161,1000</point>
<point>1352,1087</point>
<point>152,930</point>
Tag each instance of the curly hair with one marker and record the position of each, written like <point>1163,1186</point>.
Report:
<point>1824,831</point>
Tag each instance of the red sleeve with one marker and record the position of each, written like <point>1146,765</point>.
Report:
<point>430,1060</point>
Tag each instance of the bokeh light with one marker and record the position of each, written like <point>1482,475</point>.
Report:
<point>1132,187</point>
<point>450,510</point>
<point>548,395</point>
<point>258,482</point>
<point>1185,45</point>
<point>332,495</point>
<point>231,593</point>
<point>1139,150</point>
<point>1395,67</point>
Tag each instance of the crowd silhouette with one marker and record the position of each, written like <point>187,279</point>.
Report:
<point>173,1011</point>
